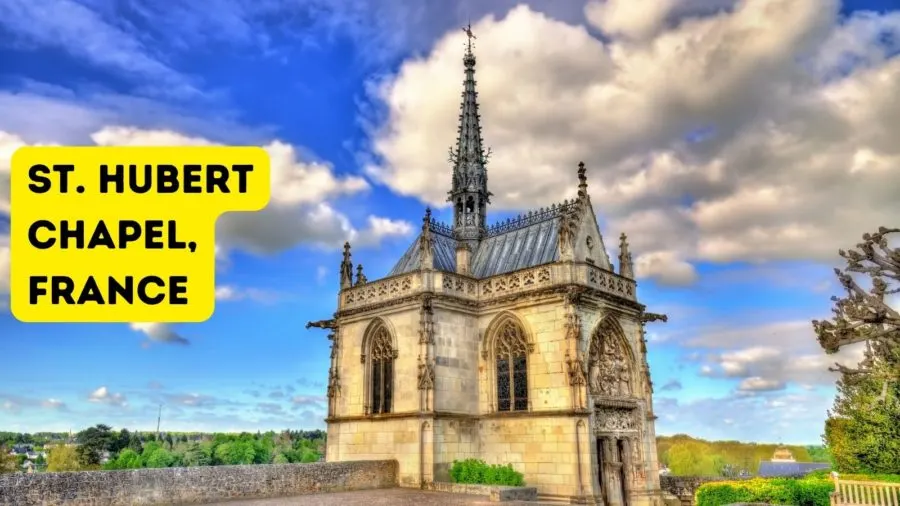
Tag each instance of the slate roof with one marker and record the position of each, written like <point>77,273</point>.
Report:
<point>769,469</point>
<point>526,241</point>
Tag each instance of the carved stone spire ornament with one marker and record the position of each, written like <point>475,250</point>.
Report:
<point>626,267</point>
<point>426,243</point>
<point>360,277</point>
<point>469,193</point>
<point>569,221</point>
<point>582,180</point>
<point>346,268</point>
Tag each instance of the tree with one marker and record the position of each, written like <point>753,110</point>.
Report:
<point>8,463</point>
<point>865,316</point>
<point>863,428</point>
<point>62,458</point>
<point>127,459</point>
<point>158,457</point>
<point>197,455</point>
<point>92,442</point>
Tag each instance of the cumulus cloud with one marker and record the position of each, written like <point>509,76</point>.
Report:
<point>672,384</point>
<point>298,210</point>
<point>742,134</point>
<point>232,293</point>
<point>767,356</point>
<point>15,403</point>
<point>766,416</point>
<point>159,332</point>
<point>102,395</point>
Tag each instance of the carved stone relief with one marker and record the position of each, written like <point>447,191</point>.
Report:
<point>610,366</point>
<point>426,376</point>
<point>609,419</point>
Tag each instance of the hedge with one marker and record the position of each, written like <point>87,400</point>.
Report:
<point>476,471</point>
<point>813,490</point>
<point>802,492</point>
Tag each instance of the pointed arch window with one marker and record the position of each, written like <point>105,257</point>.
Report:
<point>381,381</point>
<point>511,354</point>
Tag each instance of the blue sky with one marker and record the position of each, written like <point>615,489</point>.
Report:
<point>734,232</point>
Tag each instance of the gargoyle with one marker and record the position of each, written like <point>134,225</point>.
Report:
<point>653,317</point>
<point>323,324</point>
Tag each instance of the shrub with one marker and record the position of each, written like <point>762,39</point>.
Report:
<point>796,492</point>
<point>476,471</point>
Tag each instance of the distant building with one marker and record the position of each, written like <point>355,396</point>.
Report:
<point>783,464</point>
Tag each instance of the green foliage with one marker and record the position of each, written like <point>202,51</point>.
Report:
<point>688,456</point>
<point>127,459</point>
<point>795,492</point>
<point>7,462</point>
<point>863,428</point>
<point>62,458</point>
<point>478,472</point>
<point>158,457</point>
<point>819,453</point>
<point>92,442</point>
<point>132,449</point>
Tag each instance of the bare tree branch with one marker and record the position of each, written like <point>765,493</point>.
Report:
<point>863,315</point>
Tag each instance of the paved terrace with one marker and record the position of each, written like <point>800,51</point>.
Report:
<point>381,497</point>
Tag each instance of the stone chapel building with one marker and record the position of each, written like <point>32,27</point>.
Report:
<point>515,343</point>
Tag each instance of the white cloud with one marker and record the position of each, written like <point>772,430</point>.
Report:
<point>298,210</point>
<point>757,384</point>
<point>232,293</point>
<point>780,164</point>
<point>102,395</point>
<point>665,267</point>
<point>159,332</point>
<point>635,20</point>
<point>768,356</point>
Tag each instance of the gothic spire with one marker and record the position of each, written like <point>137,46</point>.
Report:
<point>346,268</point>
<point>626,267</point>
<point>469,185</point>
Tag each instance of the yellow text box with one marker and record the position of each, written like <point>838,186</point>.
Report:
<point>124,234</point>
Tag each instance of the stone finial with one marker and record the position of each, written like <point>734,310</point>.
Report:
<point>426,243</point>
<point>346,268</point>
<point>360,277</point>
<point>582,176</point>
<point>626,267</point>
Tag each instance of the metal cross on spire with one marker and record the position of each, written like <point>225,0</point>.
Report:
<point>468,30</point>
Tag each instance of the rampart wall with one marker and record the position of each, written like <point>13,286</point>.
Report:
<point>193,485</point>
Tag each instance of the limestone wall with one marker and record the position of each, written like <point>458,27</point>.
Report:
<point>543,449</point>
<point>548,388</point>
<point>192,485</point>
<point>403,323</point>
<point>379,439</point>
<point>456,361</point>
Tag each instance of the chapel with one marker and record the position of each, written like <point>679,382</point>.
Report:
<point>515,343</point>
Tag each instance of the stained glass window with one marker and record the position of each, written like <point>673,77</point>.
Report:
<point>382,372</point>
<point>503,391</point>
<point>512,368</point>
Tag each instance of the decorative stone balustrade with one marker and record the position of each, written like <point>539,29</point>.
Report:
<point>544,276</point>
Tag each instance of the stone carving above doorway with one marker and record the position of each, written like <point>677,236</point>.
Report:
<point>614,419</point>
<point>610,363</point>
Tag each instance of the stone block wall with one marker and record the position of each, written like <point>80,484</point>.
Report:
<point>192,485</point>
<point>379,439</point>
<point>543,449</point>
<point>403,323</point>
<point>544,323</point>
